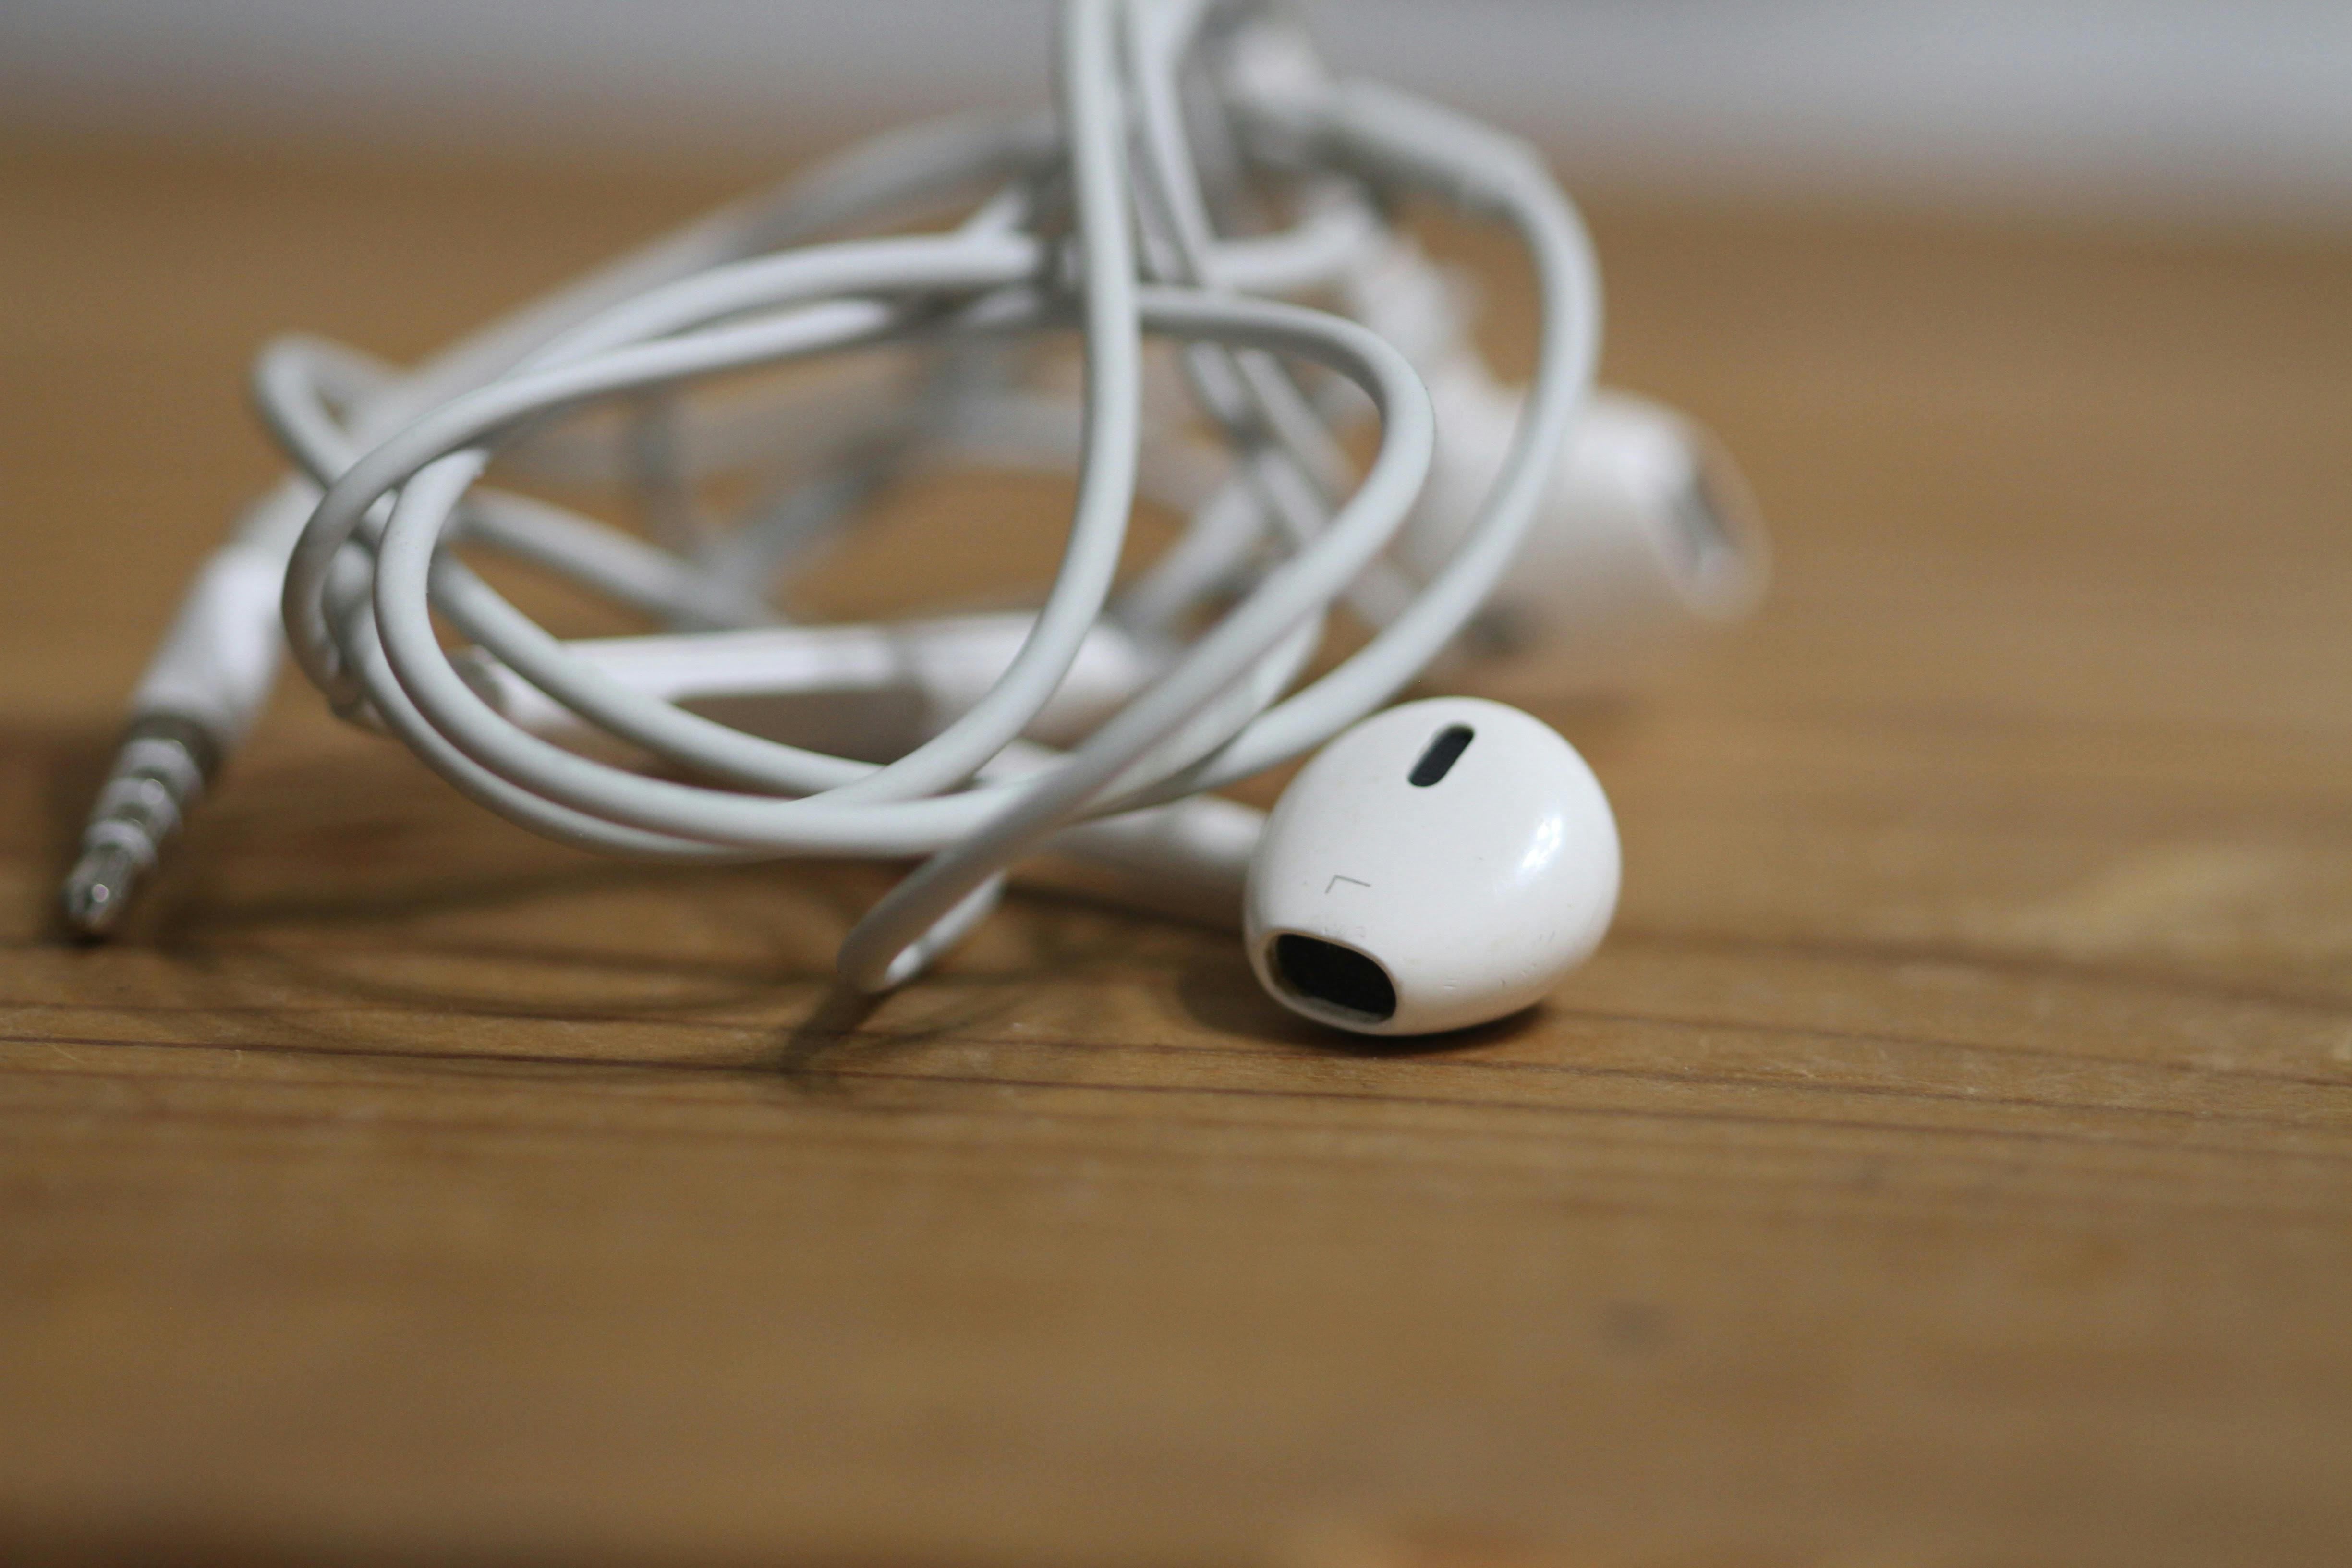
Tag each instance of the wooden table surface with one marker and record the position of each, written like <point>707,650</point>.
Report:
<point>1948,1161</point>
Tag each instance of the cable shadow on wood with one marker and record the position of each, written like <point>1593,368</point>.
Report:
<point>347,899</point>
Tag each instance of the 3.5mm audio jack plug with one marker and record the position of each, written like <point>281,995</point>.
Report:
<point>207,681</point>
<point>161,771</point>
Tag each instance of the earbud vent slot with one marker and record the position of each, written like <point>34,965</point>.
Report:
<point>1444,751</point>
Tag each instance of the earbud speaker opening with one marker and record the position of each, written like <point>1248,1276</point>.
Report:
<point>1327,976</point>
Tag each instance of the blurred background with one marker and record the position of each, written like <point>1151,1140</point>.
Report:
<point>2197,111</point>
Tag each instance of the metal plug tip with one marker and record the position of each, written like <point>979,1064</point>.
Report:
<point>99,889</point>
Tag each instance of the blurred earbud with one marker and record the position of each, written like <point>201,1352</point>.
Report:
<point>1439,865</point>
<point>1648,540</point>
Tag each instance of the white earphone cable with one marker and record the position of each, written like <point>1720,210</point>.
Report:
<point>1101,220</point>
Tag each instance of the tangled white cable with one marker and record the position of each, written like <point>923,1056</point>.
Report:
<point>1141,209</point>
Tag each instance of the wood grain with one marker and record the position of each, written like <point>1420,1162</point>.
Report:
<point>1948,1161</point>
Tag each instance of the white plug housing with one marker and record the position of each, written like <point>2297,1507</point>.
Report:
<point>1439,865</point>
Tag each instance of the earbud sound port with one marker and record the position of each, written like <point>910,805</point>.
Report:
<point>1333,976</point>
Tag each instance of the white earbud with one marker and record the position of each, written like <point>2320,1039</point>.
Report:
<point>1648,538</point>
<point>1439,865</point>
<point>1647,543</point>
